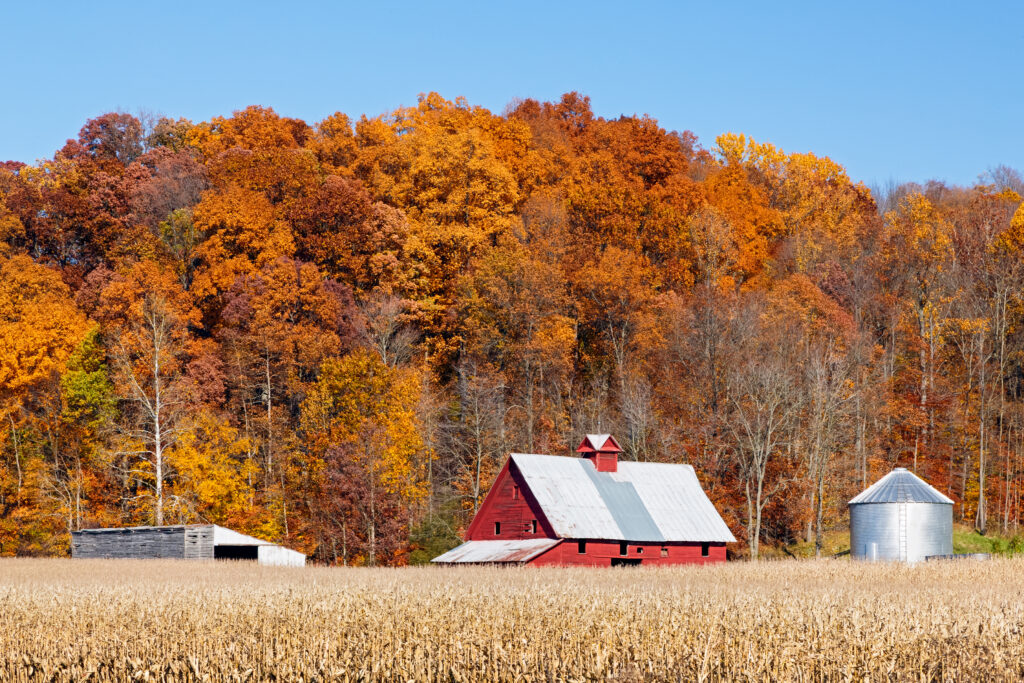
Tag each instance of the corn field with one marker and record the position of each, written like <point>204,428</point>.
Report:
<point>63,620</point>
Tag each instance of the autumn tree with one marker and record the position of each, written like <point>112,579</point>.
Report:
<point>764,402</point>
<point>146,317</point>
<point>362,420</point>
<point>82,478</point>
<point>40,329</point>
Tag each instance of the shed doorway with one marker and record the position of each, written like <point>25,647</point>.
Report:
<point>236,552</point>
<point>625,562</point>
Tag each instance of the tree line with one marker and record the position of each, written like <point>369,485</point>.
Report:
<point>331,335</point>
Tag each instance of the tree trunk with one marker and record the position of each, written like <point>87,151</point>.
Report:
<point>17,456</point>
<point>373,525</point>
<point>759,510</point>
<point>819,515</point>
<point>270,422</point>
<point>751,533</point>
<point>158,435</point>
<point>923,369</point>
<point>981,516</point>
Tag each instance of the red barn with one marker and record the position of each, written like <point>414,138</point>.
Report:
<point>594,511</point>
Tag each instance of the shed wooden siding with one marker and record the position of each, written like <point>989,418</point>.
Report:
<point>601,553</point>
<point>151,543</point>
<point>199,543</point>
<point>516,515</point>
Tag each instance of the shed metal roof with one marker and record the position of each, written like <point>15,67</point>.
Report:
<point>224,536</point>
<point>497,551</point>
<point>642,501</point>
<point>900,486</point>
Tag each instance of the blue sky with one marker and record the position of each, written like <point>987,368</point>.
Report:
<point>904,91</point>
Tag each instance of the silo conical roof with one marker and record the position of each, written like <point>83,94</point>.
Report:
<point>900,486</point>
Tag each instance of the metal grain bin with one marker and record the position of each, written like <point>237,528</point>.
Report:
<point>900,518</point>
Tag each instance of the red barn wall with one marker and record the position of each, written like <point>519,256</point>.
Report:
<point>516,514</point>
<point>601,554</point>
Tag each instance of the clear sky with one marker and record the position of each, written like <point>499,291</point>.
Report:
<point>892,90</point>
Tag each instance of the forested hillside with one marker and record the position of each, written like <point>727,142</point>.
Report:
<point>332,334</point>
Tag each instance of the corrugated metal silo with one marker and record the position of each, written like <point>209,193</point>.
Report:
<point>900,518</point>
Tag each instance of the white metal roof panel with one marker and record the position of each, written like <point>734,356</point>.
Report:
<point>675,500</point>
<point>649,502</point>
<point>497,551</point>
<point>223,536</point>
<point>901,486</point>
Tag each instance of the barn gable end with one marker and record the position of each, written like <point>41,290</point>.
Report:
<point>512,506</point>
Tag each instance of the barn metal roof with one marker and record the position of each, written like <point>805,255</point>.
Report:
<point>642,501</point>
<point>497,551</point>
<point>900,486</point>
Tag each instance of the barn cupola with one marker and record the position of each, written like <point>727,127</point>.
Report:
<point>602,450</point>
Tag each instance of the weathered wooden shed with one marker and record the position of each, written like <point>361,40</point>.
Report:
<point>593,510</point>
<point>181,542</point>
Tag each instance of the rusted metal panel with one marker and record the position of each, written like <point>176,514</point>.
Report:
<point>497,551</point>
<point>644,502</point>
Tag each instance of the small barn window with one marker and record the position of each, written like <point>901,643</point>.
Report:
<point>640,551</point>
<point>705,549</point>
<point>664,551</point>
<point>497,528</point>
<point>533,527</point>
<point>581,547</point>
<point>515,493</point>
<point>623,549</point>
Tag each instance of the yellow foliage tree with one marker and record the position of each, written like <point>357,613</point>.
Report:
<point>822,209</point>
<point>361,419</point>
<point>213,474</point>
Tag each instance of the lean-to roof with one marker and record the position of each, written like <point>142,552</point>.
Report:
<point>497,551</point>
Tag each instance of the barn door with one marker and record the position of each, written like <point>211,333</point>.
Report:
<point>625,562</point>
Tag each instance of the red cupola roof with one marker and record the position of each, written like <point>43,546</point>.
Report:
<point>602,450</point>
